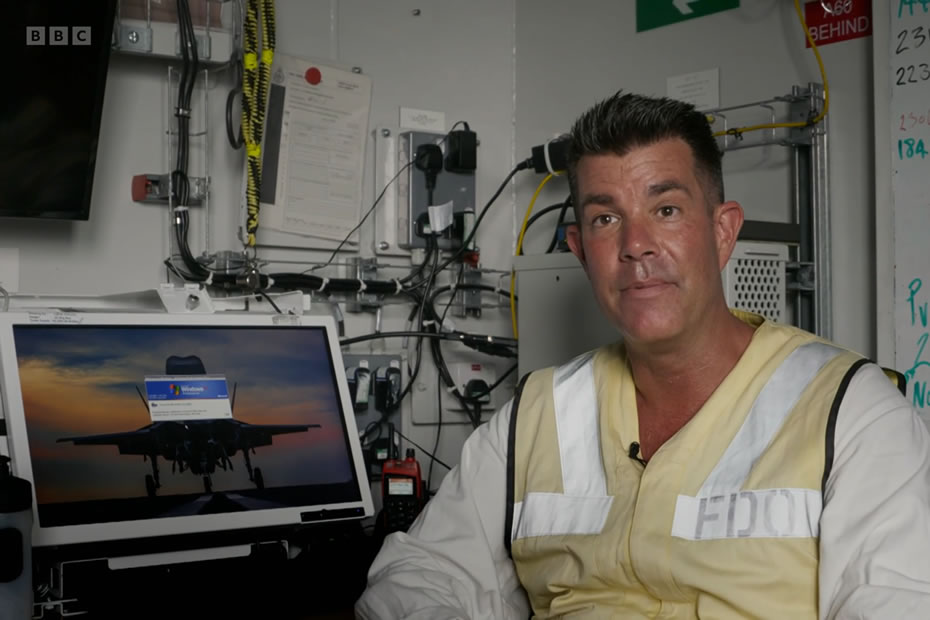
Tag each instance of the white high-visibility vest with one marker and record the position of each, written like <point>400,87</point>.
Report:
<point>721,523</point>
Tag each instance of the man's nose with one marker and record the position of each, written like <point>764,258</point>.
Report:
<point>637,241</point>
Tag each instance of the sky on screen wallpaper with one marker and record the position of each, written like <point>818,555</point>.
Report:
<point>82,381</point>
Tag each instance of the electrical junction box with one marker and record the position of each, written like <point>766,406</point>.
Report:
<point>412,195</point>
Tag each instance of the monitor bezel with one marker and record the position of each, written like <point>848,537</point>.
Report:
<point>270,519</point>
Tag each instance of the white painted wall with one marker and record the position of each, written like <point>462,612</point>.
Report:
<point>518,71</point>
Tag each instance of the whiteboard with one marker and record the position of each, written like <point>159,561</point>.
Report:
<point>909,77</point>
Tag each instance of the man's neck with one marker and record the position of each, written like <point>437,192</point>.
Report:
<point>690,373</point>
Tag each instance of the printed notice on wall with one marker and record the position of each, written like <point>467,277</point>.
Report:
<point>910,165</point>
<point>701,88</point>
<point>314,150</point>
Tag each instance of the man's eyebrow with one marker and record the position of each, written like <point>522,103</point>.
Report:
<point>597,199</point>
<point>657,189</point>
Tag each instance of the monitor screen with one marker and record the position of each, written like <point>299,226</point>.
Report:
<point>131,426</point>
<point>56,55</point>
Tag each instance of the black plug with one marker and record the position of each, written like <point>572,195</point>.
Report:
<point>550,157</point>
<point>429,159</point>
<point>462,152</point>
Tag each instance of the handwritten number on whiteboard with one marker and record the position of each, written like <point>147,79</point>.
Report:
<point>918,38</point>
<point>906,75</point>
<point>909,148</point>
<point>910,6</point>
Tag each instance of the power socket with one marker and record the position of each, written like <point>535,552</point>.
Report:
<point>413,196</point>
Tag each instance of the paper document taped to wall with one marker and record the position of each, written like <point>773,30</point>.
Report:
<point>314,150</point>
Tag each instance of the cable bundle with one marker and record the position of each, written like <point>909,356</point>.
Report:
<point>255,85</point>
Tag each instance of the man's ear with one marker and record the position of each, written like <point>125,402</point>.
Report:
<point>728,220</point>
<point>573,238</point>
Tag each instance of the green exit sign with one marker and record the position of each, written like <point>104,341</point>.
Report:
<point>657,13</point>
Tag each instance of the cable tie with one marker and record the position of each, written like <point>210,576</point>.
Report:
<point>549,161</point>
<point>428,323</point>
<point>209,279</point>
<point>182,112</point>
<point>452,389</point>
<point>323,285</point>
<point>270,282</point>
<point>362,286</point>
<point>400,287</point>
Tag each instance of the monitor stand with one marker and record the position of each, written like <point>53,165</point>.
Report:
<point>61,598</point>
<point>179,557</point>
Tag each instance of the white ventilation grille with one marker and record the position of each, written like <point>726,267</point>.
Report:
<point>754,279</point>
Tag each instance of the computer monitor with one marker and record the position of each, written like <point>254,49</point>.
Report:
<point>151,425</point>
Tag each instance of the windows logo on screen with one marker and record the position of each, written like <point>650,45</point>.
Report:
<point>175,389</point>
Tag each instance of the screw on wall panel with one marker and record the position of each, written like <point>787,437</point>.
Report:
<point>386,133</point>
<point>133,37</point>
<point>384,245</point>
<point>356,69</point>
<point>416,12</point>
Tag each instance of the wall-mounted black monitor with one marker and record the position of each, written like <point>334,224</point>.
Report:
<point>56,54</point>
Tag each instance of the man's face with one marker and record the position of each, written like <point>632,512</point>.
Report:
<point>651,244</point>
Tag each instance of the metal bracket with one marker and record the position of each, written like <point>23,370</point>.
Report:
<point>470,297</point>
<point>363,269</point>
<point>135,39</point>
<point>203,45</point>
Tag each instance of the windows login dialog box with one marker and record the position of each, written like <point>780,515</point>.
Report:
<point>194,397</point>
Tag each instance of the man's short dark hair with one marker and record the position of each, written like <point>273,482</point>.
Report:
<point>623,122</point>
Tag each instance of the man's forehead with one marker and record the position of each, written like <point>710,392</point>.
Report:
<point>650,170</point>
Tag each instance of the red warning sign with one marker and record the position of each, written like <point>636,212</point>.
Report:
<point>832,21</point>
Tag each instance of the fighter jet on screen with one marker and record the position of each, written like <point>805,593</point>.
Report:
<point>198,446</point>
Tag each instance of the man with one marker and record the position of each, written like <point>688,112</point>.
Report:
<point>713,465</point>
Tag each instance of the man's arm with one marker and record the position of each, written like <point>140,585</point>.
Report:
<point>875,525</point>
<point>452,564</point>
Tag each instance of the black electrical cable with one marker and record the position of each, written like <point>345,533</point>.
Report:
<point>543,212</point>
<point>423,450</point>
<point>429,476</point>
<point>269,300</point>
<point>467,241</point>
<point>558,225</point>
<point>235,140</point>
<point>480,287</point>
<point>454,288</point>
<point>451,336</point>
<point>362,221</point>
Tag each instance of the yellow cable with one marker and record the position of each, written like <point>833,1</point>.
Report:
<point>513,276</point>
<point>823,77</point>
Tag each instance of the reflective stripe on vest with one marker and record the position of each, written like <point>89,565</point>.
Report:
<point>721,509</point>
<point>583,505</point>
